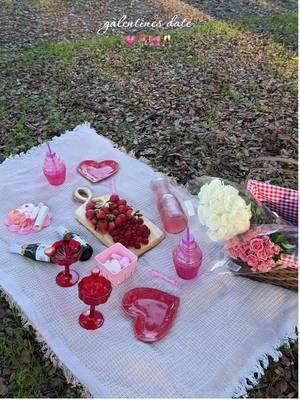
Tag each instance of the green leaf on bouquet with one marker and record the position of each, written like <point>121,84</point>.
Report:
<point>278,238</point>
<point>287,247</point>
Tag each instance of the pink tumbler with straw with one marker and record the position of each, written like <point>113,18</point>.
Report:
<point>187,257</point>
<point>54,168</point>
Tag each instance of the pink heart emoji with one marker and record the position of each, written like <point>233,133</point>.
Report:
<point>130,40</point>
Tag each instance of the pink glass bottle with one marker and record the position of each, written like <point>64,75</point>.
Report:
<point>187,257</point>
<point>54,168</point>
<point>171,213</point>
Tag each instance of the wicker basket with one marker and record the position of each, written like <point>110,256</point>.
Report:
<point>280,276</point>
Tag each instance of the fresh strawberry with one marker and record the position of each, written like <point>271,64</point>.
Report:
<point>129,213</point>
<point>122,208</point>
<point>111,226</point>
<point>102,226</point>
<point>124,217</point>
<point>114,198</point>
<point>90,206</point>
<point>50,252</point>
<point>94,221</point>
<point>101,215</point>
<point>119,221</point>
<point>90,214</point>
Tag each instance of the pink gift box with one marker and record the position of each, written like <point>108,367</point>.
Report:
<point>126,272</point>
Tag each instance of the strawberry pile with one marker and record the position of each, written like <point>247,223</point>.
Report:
<point>117,218</point>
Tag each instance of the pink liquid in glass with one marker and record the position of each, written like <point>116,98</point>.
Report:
<point>171,213</point>
<point>54,169</point>
<point>187,258</point>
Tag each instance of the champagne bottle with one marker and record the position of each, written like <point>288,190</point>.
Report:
<point>87,250</point>
<point>34,251</point>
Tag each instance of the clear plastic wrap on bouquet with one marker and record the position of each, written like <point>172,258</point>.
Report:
<point>257,242</point>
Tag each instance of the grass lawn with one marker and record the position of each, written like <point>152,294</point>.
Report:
<point>221,100</point>
<point>281,28</point>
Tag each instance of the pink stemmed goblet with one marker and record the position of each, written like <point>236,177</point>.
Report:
<point>65,253</point>
<point>93,290</point>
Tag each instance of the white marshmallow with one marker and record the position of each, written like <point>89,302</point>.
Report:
<point>113,266</point>
<point>124,262</point>
<point>116,256</point>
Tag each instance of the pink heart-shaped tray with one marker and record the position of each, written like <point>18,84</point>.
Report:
<point>154,312</point>
<point>98,171</point>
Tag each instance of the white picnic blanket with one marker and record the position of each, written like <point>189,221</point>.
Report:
<point>225,324</point>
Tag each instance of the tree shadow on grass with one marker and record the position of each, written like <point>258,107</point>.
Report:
<point>275,19</point>
<point>236,9</point>
<point>281,28</point>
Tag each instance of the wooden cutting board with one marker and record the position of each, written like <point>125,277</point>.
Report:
<point>84,195</point>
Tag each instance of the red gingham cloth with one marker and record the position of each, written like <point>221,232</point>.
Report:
<point>284,202</point>
<point>289,261</point>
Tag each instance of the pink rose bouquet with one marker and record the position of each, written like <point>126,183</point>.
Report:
<point>260,253</point>
<point>266,256</point>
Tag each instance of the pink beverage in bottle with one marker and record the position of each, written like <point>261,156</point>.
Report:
<point>171,213</point>
<point>54,168</point>
<point>187,257</point>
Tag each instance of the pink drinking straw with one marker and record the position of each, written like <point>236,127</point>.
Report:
<point>113,186</point>
<point>190,212</point>
<point>50,150</point>
<point>51,154</point>
<point>163,277</point>
<point>188,233</point>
